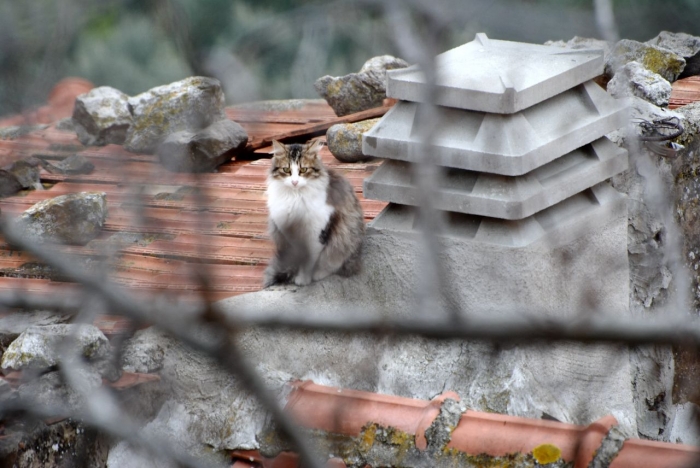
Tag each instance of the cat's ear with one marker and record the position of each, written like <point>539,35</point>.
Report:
<point>313,147</point>
<point>278,148</point>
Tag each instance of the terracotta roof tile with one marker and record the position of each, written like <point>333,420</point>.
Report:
<point>346,412</point>
<point>227,235</point>
<point>684,91</point>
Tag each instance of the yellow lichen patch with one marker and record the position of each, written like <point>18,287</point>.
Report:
<point>546,453</point>
<point>367,438</point>
<point>657,61</point>
<point>401,438</point>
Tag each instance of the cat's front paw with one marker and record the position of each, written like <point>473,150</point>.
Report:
<point>302,279</point>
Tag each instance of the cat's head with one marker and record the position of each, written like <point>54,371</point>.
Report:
<point>296,165</point>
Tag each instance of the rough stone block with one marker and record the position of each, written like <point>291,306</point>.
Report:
<point>74,219</point>
<point>588,270</point>
<point>202,151</point>
<point>498,196</point>
<point>345,140</point>
<point>654,58</point>
<point>102,116</point>
<point>190,104</point>
<point>503,144</point>
<point>38,346</point>
<point>498,76</point>
<point>358,91</point>
<point>635,80</point>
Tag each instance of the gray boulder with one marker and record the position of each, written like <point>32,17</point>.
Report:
<point>102,116</point>
<point>653,58</point>
<point>358,91</point>
<point>38,346</point>
<point>67,219</point>
<point>683,44</point>
<point>345,140</point>
<point>202,151</point>
<point>635,80</point>
<point>190,105</point>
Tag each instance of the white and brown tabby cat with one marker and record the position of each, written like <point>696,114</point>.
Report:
<point>316,220</point>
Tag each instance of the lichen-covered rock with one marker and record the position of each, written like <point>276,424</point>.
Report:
<point>26,171</point>
<point>345,140</point>
<point>73,219</point>
<point>635,80</point>
<point>190,105</point>
<point>653,58</point>
<point>38,346</point>
<point>358,91</point>
<point>683,44</point>
<point>202,151</point>
<point>680,43</point>
<point>12,325</point>
<point>101,116</point>
<point>72,165</point>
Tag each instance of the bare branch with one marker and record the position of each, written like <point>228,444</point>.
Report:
<point>219,345</point>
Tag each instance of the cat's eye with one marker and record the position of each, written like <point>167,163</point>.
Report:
<point>286,170</point>
<point>303,170</point>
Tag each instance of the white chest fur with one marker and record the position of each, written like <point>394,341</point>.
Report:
<point>303,208</point>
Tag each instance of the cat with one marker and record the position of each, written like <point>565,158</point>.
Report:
<point>315,219</point>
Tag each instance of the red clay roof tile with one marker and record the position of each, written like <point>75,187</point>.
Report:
<point>228,238</point>
<point>684,91</point>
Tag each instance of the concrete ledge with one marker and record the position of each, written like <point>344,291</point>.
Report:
<point>502,144</point>
<point>498,76</point>
<point>503,197</point>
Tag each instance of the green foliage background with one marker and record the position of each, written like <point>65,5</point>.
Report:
<point>267,49</point>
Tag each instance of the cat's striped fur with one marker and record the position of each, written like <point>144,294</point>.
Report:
<point>316,221</point>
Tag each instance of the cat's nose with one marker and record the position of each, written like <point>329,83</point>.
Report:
<point>295,182</point>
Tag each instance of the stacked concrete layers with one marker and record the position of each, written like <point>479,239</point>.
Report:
<point>520,135</point>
